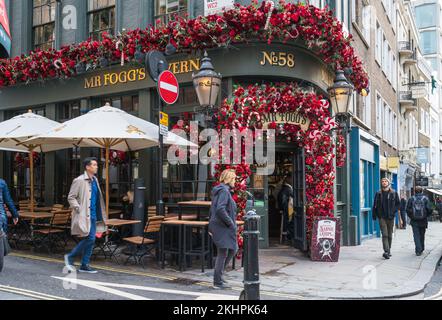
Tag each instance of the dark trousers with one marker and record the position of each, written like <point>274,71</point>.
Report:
<point>223,257</point>
<point>387,233</point>
<point>419,238</point>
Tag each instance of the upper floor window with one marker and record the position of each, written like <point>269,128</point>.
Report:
<point>101,17</point>
<point>426,15</point>
<point>165,9</point>
<point>43,24</point>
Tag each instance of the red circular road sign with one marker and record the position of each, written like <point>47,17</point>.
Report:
<point>168,87</point>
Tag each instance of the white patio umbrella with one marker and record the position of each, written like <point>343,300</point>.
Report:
<point>108,128</point>
<point>16,131</point>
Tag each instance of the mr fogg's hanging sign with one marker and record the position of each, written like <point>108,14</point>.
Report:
<point>294,118</point>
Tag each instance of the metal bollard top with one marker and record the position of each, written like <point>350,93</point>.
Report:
<point>251,215</point>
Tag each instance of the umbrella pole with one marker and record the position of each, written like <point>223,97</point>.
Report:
<point>31,166</point>
<point>107,180</point>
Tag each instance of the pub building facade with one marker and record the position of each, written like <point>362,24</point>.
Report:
<point>131,89</point>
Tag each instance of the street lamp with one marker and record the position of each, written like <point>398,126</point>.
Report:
<point>207,83</point>
<point>340,94</point>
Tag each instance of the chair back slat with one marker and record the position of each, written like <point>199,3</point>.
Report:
<point>60,218</point>
<point>57,207</point>
<point>154,224</point>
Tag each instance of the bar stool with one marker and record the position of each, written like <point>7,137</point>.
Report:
<point>173,246</point>
<point>202,251</point>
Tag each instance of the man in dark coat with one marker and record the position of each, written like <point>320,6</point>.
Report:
<point>419,209</point>
<point>386,204</point>
<point>222,226</point>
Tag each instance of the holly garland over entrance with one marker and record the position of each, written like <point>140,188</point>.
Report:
<point>315,28</point>
<point>245,110</point>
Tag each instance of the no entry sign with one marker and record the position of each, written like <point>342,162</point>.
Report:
<point>168,87</point>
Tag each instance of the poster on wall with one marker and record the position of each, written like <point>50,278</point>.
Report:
<point>5,33</point>
<point>326,239</point>
<point>215,6</point>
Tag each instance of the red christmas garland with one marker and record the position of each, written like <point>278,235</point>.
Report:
<point>243,110</point>
<point>316,28</point>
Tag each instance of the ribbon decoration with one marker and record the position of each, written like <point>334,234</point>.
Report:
<point>119,44</point>
<point>272,6</point>
<point>58,64</point>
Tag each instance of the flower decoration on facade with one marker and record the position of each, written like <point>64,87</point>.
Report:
<point>316,29</point>
<point>117,157</point>
<point>240,112</point>
<point>21,160</point>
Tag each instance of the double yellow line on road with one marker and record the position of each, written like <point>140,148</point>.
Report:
<point>29,293</point>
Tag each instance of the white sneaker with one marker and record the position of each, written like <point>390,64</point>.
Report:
<point>68,265</point>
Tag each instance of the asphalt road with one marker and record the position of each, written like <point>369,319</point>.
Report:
<point>25,278</point>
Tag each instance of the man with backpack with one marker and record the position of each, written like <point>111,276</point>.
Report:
<point>419,209</point>
<point>385,206</point>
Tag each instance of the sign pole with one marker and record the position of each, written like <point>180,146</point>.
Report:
<point>160,202</point>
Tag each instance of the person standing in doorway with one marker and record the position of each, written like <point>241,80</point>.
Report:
<point>419,209</point>
<point>439,207</point>
<point>386,204</point>
<point>222,225</point>
<point>86,200</point>
<point>285,200</point>
<point>403,212</point>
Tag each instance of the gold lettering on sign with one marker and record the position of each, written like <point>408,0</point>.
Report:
<point>278,59</point>
<point>132,75</point>
<point>184,66</point>
<point>288,117</point>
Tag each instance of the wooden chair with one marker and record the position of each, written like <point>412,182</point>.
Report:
<point>55,233</point>
<point>145,244</point>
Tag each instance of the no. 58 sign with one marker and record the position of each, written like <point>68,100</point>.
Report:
<point>281,59</point>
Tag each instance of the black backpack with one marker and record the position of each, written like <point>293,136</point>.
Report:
<point>419,208</point>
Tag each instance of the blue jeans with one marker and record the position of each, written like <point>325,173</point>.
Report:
<point>85,246</point>
<point>419,238</point>
<point>3,223</point>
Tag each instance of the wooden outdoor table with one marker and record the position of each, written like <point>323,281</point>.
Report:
<point>121,222</point>
<point>35,215</point>
<point>193,204</point>
<point>25,215</point>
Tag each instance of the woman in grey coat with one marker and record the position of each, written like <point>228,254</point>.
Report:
<point>222,225</point>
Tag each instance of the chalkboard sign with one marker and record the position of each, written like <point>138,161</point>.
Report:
<point>326,239</point>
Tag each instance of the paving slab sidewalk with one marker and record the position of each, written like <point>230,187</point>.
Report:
<point>361,272</point>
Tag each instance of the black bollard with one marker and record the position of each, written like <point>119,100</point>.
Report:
<point>251,263</point>
<point>139,211</point>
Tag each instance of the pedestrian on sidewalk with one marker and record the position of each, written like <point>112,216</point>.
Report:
<point>386,205</point>
<point>439,207</point>
<point>222,225</point>
<point>403,212</point>
<point>5,199</point>
<point>419,209</point>
<point>86,200</point>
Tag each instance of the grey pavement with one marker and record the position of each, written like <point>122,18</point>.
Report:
<point>361,272</point>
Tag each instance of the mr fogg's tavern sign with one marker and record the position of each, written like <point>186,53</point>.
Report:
<point>289,117</point>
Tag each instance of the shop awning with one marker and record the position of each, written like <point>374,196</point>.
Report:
<point>436,192</point>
